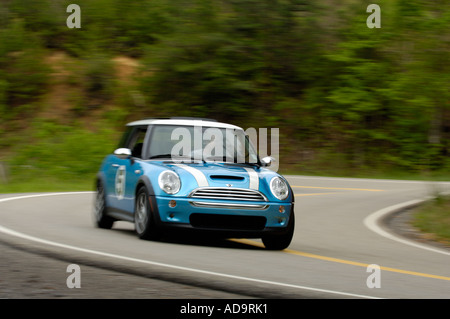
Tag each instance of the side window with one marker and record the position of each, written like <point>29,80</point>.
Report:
<point>135,141</point>
<point>125,137</point>
<point>161,140</point>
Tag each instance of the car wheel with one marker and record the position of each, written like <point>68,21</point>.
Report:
<point>143,217</point>
<point>102,220</point>
<point>280,242</point>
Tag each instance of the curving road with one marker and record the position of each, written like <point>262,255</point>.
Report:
<point>338,235</point>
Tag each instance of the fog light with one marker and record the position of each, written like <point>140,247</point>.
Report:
<point>281,209</point>
<point>172,203</point>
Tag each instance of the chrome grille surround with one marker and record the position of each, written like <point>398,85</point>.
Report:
<point>228,193</point>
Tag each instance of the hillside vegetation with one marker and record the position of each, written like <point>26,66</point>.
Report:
<point>348,100</point>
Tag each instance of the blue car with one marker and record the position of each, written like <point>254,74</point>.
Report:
<point>193,174</point>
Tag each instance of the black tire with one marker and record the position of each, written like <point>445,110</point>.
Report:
<point>102,220</point>
<point>280,242</point>
<point>144,220</point>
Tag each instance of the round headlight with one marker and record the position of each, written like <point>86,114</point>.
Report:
<point>279,188</point>
<point>169,182</point>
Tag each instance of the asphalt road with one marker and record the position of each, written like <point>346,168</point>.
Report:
<point>338,236</point>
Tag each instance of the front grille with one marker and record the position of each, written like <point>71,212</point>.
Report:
<point>227,222</point>
<point>225,193</point>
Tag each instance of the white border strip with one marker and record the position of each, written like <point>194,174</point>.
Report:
<point>148,262</point>
<point>373,223</point>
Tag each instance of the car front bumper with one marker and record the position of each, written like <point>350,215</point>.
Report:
<point>222,217</point>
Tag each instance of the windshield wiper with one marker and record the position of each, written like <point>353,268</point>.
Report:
<point>161,156</point>
<point>175,157</point>
<point>217,158</point>
<point>224,159</point>
<point>244,163</point>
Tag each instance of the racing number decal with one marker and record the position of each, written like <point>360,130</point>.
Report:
<point>120,182</point>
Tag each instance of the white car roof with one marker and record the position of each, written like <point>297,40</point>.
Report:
<point>184,122</point>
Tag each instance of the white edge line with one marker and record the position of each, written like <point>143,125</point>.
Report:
<point>205,272</point>
<point>374,180</point>
<point>43,195</point>
<point>372,222</point>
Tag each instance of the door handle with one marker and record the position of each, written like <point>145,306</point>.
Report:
<point>115,165</point>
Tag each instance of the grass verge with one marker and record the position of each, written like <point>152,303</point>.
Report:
<point>433,219</point>
<point>47,184</point>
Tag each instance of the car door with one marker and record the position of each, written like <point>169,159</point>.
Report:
<point>124,172</point>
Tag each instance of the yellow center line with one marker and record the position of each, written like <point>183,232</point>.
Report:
<point>342,261</point>
<point>342,188</point>
<point>313,194</point>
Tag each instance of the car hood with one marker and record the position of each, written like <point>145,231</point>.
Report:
<point>219,174</point>
<point>214,174</point>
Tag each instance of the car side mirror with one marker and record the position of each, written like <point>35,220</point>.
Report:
<point>122,153</point>
<point>267,161</point>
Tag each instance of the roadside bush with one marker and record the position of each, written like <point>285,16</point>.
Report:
<point>62,152</point>
<point>23,74</point>
<point>98,79</point>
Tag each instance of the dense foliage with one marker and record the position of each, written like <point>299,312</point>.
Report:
<point>340,92</point>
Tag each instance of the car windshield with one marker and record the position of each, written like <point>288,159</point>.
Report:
<point>201,143</point>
